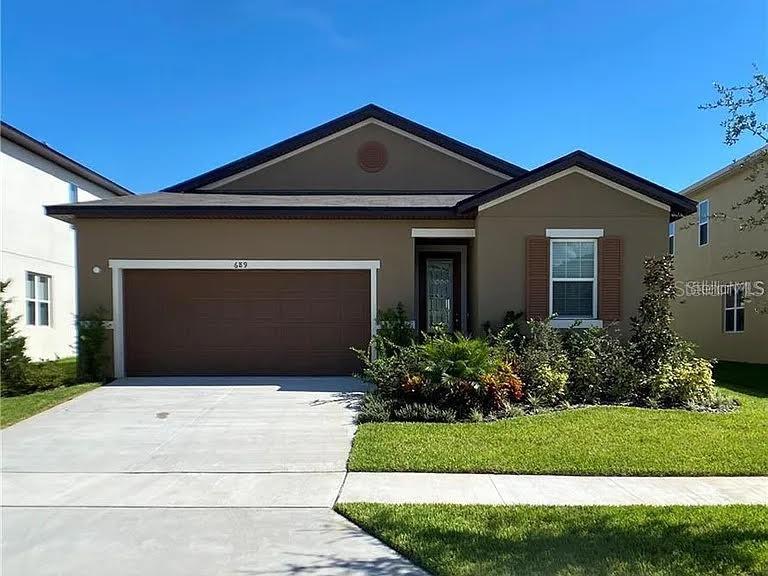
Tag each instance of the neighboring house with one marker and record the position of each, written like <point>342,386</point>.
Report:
<point>278,262</point>
<point>732,325</point>
<point>38,253</point>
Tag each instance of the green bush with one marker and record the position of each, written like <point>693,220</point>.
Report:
<point>91,347</point>
<point>543,362</point>
<point>390,372</point>
<point>374,408</point>
<point>14,363</point>
<point>601,368</point>
<point>394,330</point>
<point>53,373</point>
<point>421,412</point>
<point>453,374</point>
<point>456,356</point>
<point>687,383</point>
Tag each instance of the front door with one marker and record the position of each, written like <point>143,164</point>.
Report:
<point>440,291</point>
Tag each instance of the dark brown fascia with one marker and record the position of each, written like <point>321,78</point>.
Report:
<point>85,211</point>
<point>679,204</point>
<point>44,151</point>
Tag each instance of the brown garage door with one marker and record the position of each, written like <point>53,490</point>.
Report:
<point>187,322</point>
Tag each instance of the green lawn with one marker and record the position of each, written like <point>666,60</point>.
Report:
<point>16,408</point>
<point>579,541</point>
<point>589,441</point>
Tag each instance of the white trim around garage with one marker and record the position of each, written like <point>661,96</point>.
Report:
<point>442,232</point>
<point>118,266</point>
<point>568,171</point>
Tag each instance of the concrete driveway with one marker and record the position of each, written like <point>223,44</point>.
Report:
<point>187,476</point>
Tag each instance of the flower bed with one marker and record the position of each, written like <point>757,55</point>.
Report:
<point>522,368</point>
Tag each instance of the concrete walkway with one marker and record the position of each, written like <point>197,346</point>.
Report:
<point>420,488</point>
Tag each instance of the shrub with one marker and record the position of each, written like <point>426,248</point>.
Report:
<point>502,387</point>
<point>53,373</point>
<point>543,363</point>
<point>394,330</point>
<point>456,357</point>
<point>390,373</point>
<point>91,351</point>
<point>14,363</point>
<point>374,408</point>
<point>422,412</point>
<point>455,375</point>
<point>547,383</point>
<point>687,382</point>
<point>476,415</point>
<point>601,368</point>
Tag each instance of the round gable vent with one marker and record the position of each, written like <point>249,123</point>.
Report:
<point>372,156</point>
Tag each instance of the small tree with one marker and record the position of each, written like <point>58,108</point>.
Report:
<point>653,339</point>
<point>14,363</point>
<point>741,105</point>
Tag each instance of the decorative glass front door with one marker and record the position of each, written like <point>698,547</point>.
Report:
<point>439,293</point>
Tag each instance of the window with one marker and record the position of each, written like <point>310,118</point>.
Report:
<point>703,222</point>
<point>672,238</point>
<point>573,278</point>
<point>734,310</point>
<point>72,193</point>
<point>38,299</point>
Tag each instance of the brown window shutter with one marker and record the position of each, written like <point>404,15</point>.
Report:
<point>610,254</point>
<point>537,277</point>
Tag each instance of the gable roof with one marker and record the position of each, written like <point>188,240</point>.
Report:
<point>381,204</point>
<point>371,111</point>
<point>44,151</point>
<point>679,205</point>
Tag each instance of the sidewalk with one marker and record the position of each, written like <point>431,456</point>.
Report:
<point>423,488</point>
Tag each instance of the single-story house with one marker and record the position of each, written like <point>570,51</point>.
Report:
<point>277,263</point>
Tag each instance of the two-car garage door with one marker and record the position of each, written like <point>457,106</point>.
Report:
<point>299,322</point>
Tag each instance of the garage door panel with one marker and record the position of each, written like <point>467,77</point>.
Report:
<point>245,322</point>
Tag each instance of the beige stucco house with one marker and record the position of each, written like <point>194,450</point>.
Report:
<point>277,263</point>
<point>723,307</point>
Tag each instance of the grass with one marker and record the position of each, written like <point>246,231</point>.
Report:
<point>572,541</point>
<point>16,408</point>
<point>589,441</point>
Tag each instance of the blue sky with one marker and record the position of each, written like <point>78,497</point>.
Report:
<point>150,93</point>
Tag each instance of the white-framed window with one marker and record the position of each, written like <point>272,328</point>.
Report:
<point>734,310</point>
<point>38,299</point>
<point>672,238</point>
<point>573,278</point>
<point>703,222</point>
<point>72,193</point>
